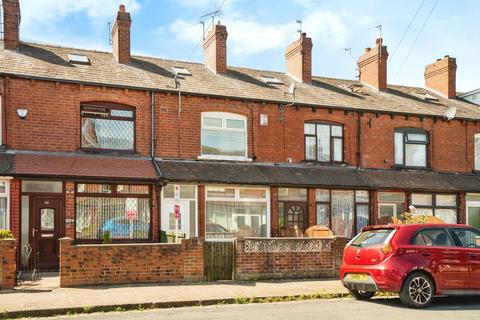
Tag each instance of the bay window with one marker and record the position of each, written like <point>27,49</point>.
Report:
<point>345,212</point>
<point>119,209</point>
<point>107,128</point>
<point>323,142</point>
<point>4,205</point>
<point>236,211</point>
<point>223,136</point>
<point>411,147</point>
<point>443,206</point>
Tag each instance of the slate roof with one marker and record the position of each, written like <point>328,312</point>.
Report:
<point>307,175</point>
<point>81,166</point>
<point>51,62</point>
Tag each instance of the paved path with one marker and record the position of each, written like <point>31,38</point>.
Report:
<point>48,296</point>
<point>335,309</point>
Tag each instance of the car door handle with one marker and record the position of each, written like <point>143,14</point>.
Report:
<point>473,255</point>
<point>426,254</point>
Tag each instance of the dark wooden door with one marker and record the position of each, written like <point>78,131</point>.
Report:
<point>295,215</point>
<point>218,260</point>
<point>47,215</point>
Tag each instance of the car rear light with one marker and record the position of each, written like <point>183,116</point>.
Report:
<point>387,249</point>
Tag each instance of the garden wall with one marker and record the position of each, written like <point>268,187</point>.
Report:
<point>288,258</point>
<point>8,264</point>
<point>130,263</point>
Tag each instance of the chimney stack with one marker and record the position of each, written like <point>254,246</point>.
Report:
<point>372,66</point>
<point>215,49</point>
<point>440,77</point>
<point>121,36</point>
<point>298,58</point>
<point>11,24</point>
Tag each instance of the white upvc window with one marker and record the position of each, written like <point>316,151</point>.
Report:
<point>4,204</point>
<point>477,151</point>
<point>223,136</point>
<point>1,120</point>
<point>233,212</point>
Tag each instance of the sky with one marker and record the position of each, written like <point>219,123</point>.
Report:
<point>416,32</point>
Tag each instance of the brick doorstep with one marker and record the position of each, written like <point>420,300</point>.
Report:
<point>64,300</point>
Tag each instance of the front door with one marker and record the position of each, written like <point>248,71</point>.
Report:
<point>295,215</point>
<point>47,215</point>
<point>473,216</point>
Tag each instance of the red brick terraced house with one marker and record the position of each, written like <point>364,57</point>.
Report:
<point>97,141</point>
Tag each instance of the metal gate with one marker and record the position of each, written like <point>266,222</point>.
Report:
<point>218,260</point>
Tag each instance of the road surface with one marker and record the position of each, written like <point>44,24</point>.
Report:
<point>335,309</point>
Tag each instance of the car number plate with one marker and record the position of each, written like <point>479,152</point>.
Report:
<point>358,277</point>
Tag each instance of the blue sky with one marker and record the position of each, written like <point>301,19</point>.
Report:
<point>260,30</point>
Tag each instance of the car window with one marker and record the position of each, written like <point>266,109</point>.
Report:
<point>468,238</point>
<point>371,237</point>
<point>433,237</point>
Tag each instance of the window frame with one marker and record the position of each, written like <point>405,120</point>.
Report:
<point>224,116</point>
<point>110,107</point>
<point>237,198</point>
<point>355,204</point>
<point>434,205</point>
<point>114,194</point>
<point>332,139</point>
<point>476,166</point>
<point>7,196</point>
<point>170,200</point>
<point>405,132</point>
<point>391,203</point>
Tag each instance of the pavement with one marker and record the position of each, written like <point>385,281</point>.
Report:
<point>333,309</point>
<point>46,298</point>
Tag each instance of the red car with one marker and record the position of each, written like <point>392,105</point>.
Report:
<point>418,261</point>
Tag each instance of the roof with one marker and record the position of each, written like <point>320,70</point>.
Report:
<point>51,62</point>
<point>313,175</point>
<point>81,166</point>
<point>469,93</point>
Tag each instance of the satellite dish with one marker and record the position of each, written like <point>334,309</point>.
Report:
<point>291,88</point>
<point>450,113</point>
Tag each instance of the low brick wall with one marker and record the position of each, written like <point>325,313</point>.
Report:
<point>8,264</point>
<point>130,263</point>
<point>288,258</point>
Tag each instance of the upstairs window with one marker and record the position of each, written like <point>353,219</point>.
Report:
<point>224,136</point>
<point>477,152</point>
<point>411,148</point>
<point>323,142</point>
<point>107,128</point>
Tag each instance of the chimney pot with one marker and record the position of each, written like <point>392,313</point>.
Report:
<point>11,24</point>
<point>298,58</point>
<point>440,77</point>
<point>215,49</point>
<point>372,65</point>
<point>121,36</point>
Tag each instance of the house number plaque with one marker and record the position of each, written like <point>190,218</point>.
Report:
<point>69,220</point>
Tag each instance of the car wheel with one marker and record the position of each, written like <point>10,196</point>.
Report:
<point>417,291</point>
<point>361,295</point>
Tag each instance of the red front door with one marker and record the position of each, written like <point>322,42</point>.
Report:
<point>46,230</point>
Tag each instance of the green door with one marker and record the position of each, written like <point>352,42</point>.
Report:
<point>473,216</point>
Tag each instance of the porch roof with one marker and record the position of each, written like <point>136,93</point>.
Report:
<point>5,163</point>
<point>74,165</point>
<point>312,175</point>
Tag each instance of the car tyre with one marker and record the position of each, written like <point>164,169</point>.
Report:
<point>361,295</point>
<point>417,291</point>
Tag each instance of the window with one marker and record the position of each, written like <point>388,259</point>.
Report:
<point>270,79</point>
<point>4,205</point>
<point>443,206</point>
<point>323,142</point>
<point>78,58</point>
<point>390,204</point>
<point>477,151</point>
<point>236,211</point>
<point>372,237</point>
<point>433,237</point>
<point>411,147</point>
<point>224,136</point>
<point>467,238</point>
<point>108,128</point>
<point>345,212</point>
<point>183,71</point>
<point>121,210</point>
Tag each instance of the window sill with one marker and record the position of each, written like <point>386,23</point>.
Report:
<point>108,151</point>
<point>401,167</point>
<point>224,158</point>
<point>326,163</point>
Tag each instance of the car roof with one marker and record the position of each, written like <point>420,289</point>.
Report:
<point>415,226</point>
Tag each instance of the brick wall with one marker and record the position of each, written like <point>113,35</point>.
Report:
<point>130,263</point>
<point>283,258</point>
<point>8,264</point>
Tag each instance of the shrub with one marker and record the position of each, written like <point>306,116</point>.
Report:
<point>6,234</point>
<point>107,239</point>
